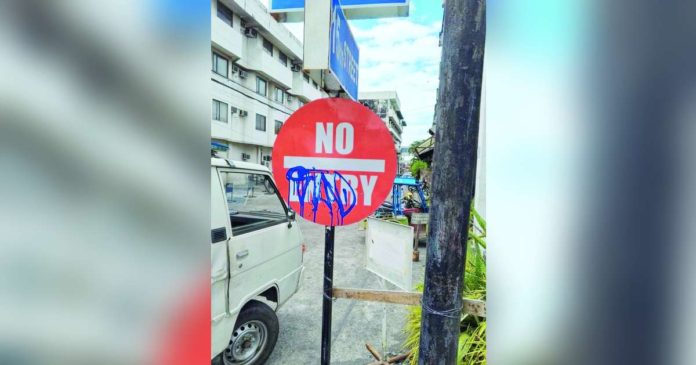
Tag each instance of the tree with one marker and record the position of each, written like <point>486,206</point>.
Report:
<point>417,166</point>
<point>412,148</point>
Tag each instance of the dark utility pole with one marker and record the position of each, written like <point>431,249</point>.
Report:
<point>454,175</point>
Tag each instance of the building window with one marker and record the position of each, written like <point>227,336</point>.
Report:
<point>260,86</point>
<point>224,13</point>
<point>260,122</point>
<point>220,65</point>
<point>268,46</point>
<point>306,77</point>
<point>219,111</point>
<point>287,97</point>
<point>278,95</point>
<point>283,58</point>
<point>314,83</point>
<point>383,108</point>
<point>371,104</point>
<point>278,125</point>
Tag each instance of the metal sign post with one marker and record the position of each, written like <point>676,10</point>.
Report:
<point>334,165</point>
<point>327,306</point>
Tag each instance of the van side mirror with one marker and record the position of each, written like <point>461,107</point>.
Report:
<point>291,217</point>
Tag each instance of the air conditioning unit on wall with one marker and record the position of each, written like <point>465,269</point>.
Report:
<point>295,67</point>
<point>243,74</point>
<point>243,113</point>
<point>251,32</point>
<point>245,156</point>
<point>266,158</point>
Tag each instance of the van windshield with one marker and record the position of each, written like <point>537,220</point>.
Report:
<point>252,201</point>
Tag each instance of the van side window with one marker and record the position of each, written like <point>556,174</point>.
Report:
<point>252,201</point>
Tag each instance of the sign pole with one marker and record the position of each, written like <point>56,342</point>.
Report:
<point>328,295</point>
<point>334,164</point>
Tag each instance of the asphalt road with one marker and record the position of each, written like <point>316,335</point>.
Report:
<point>354,322</point>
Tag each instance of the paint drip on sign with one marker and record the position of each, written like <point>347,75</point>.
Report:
<point>331,189</point>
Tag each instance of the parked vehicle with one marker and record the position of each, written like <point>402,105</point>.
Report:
<point>256,261</point>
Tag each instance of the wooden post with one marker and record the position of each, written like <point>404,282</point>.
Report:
<point>470,306</point>
<point>453,179</point>
<point>416,253</point>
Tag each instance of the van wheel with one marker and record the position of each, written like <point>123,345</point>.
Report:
<point>254,336</point>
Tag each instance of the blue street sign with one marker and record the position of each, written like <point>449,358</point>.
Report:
<point>343,51</point>
<point>284,5</point>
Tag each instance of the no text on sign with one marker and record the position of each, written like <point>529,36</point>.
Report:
<point>334,162</point>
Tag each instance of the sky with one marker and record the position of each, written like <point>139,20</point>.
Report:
<point>400,54</point>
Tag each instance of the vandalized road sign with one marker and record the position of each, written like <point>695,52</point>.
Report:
<point>334,161</point>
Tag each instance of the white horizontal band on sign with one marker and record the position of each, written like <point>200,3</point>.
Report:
<point>335,164</point>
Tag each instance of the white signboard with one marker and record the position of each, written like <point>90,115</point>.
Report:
<point>389,249</point>
<point>420,218</point>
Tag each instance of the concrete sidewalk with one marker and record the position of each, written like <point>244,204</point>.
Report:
<point>354,322</point>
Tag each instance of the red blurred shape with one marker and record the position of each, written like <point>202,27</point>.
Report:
<point>186,338</point>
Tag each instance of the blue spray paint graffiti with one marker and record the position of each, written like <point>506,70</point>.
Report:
<point>324,188</point>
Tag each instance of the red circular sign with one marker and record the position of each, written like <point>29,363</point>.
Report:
<point>338,158</point>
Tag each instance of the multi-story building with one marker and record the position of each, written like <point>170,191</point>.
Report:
<point>386,104</point>
<point>257,79</point>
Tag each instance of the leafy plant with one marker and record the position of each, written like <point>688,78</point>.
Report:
<point>412,329</point>
<point>417,166</point>
<point>472,345</point>
<point>472,339</point>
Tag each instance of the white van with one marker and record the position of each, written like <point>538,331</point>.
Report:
<point>256,261</point>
